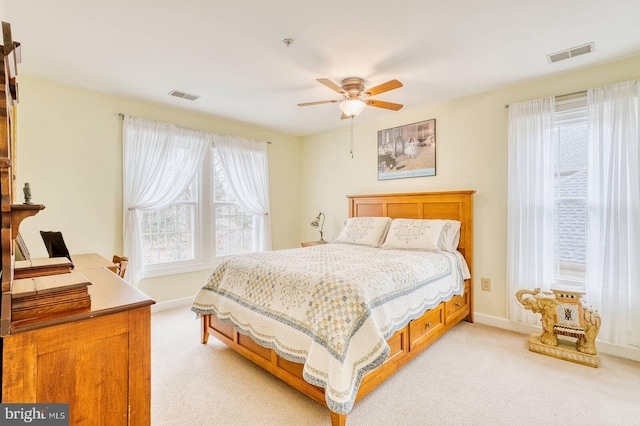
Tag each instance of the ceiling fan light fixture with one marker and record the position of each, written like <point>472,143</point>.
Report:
<point>355,97</point>
<point>352,107</point>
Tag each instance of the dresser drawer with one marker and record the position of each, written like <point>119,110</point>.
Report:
<point>425,329</point>
<point>457,307</point>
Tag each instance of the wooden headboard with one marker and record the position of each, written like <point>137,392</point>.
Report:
<point>453,205</point>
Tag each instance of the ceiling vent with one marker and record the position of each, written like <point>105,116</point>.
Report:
<point>183,95</point>
<point>570,53</point>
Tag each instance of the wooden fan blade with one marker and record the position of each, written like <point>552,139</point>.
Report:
<point>383,104</point>
<point>318,103</point>
<point>331,85</point>
<point>384,87</point>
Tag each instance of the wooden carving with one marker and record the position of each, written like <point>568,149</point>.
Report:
<point>563,313</point>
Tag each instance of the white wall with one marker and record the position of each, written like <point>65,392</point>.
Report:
<point>471,153</point>
<point>70,151</point>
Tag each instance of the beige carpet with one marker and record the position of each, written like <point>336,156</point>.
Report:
<point>474,375</point>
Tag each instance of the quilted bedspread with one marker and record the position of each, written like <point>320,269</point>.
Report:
<point>331,307</point>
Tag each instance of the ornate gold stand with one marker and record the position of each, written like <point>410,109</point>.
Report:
<point>563,313</point>
<point>564,350</point>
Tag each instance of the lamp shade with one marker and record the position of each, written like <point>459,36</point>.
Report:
<point>316,223</point>
<point>352,107</point>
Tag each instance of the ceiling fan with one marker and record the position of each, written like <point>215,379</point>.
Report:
<point>355,97</point>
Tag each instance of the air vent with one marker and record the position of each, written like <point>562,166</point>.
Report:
<point>183,95</point>
<point>570,53</point>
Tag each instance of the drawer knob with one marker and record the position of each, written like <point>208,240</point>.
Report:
<point>428,325</point>
<point>457,305</point>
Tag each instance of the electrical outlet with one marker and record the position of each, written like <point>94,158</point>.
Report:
<point>485,284</point>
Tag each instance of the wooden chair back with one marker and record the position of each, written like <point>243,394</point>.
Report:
<point>121,262</point>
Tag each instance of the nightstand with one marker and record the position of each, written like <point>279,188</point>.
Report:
<point>312,243</point>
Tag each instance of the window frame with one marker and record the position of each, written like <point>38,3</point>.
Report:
<point>567,273</point>
<point>205,256</point>
<point>215,168</point>
<point>198,261</point>
<point>193,203</point>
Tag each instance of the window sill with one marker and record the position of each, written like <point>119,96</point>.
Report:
<point>182,269</point>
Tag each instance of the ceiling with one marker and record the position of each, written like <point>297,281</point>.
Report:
<point>232,53</point>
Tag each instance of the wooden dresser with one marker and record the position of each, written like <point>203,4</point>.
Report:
<point>95,359</point>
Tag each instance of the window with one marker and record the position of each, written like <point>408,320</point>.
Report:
<point>168,235</point>
<point>554,190</point>
<point>162,162</point>
<point>234,229</point>
<point>570,184</point>
<point>205,223</point>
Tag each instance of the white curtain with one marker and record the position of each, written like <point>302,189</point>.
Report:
<point>613,221</point>
<point>530,228</point>
<point>160,160</point>
<point>245,164</point>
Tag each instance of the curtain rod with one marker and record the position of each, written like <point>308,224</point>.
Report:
<point>564,95</point>
<point>122,117</point>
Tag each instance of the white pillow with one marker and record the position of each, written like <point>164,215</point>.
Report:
<point>415,234</point>
<point>365,231</point>
<point>451,237</point>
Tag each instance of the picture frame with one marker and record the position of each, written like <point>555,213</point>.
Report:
<point>407,151</point>
<point>21,251</point>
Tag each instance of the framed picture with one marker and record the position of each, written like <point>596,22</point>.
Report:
<point>21,250</point>
<point>407,151</point>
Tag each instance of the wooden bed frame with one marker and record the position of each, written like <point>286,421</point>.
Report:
<point>406,343</point>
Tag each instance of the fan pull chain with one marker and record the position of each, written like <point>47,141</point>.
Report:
<point>351,147</point>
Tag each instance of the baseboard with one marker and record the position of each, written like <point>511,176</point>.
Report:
<point>506,324</point>
<point>171,304</point>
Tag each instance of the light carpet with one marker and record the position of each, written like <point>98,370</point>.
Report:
<point>474,375</point>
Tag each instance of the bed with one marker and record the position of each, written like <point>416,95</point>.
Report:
<point>335,348</point>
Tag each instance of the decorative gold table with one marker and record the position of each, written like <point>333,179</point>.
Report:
<point>563,313</point>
